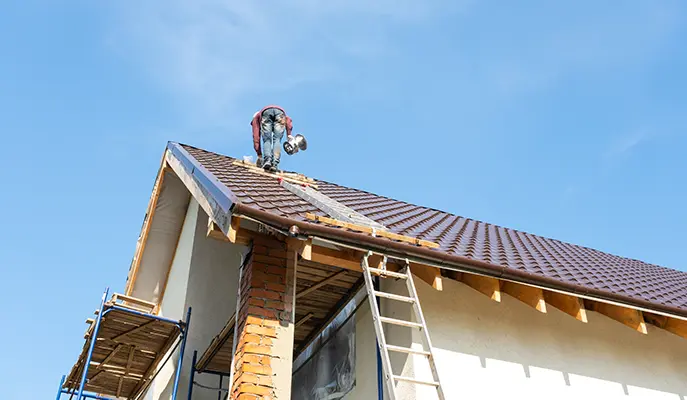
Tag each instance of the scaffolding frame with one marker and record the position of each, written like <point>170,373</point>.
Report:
<point>192,381</point>
<point>180,342</point>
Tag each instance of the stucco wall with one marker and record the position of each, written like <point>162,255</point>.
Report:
<point>508,350</point>
<point>204,276</point>
<point>365,356</point>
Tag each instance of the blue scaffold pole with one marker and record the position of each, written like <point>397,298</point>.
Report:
<point>193,374</point>
<point>180,363</point>
<point>94,335</point>
<point>95,397</point>
<point>59,390</point>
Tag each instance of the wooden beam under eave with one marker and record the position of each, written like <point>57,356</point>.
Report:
<point>347,259</point>
<point>483,284</point>
<point>239,236</point>
<point>304,319</point>
<point>234,228</point>
<point>306,250</point>
<point>673,325</point>
<point>302,247</point>
<point>336,258</point>
<point>331,278</point>
<point>626,316</point>
<point>431,275</point>
<point>530,295</point>
<point>571,305</point>
<point>676,326</point>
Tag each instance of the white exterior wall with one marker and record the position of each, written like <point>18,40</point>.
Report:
<point>365,357</point>
<point>204,276</point>
<point>508,350</point>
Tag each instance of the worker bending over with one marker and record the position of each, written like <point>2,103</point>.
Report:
<point>268,126</point>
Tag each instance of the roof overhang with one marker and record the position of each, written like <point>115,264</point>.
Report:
<point>221,204</point>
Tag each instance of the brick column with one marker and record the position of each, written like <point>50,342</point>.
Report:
<point>264,345</point>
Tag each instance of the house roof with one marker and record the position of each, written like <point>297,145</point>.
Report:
<point>512,250</point>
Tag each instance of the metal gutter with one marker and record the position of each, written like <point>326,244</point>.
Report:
<point>449,261</point>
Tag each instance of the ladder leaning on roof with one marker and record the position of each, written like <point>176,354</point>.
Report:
<point>384,348</point>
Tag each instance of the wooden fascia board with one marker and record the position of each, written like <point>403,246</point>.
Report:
<point>145,229</point>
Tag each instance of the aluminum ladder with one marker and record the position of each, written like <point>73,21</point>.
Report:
<point>379,320</point>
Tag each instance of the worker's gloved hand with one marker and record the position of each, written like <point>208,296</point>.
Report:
<point>259,162</point>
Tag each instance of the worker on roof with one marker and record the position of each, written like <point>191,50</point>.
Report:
<point>268,126</point>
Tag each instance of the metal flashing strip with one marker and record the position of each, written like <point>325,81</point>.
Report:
<point>219,198</point>
<point>330,206</point>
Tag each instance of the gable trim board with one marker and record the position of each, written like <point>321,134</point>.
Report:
<point>164,219</point>
<point>221,204</point>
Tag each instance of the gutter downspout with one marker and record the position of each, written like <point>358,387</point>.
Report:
<point>448,261</point>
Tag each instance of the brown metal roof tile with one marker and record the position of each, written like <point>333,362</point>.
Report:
<point>563,262</point>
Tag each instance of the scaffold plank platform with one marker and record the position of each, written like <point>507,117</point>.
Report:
<point>130,344</point>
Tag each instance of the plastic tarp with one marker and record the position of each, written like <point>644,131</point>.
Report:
<point>326,369</point>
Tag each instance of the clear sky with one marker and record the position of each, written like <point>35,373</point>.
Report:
<point>564,120</point>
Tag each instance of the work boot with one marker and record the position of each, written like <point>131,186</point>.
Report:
<point>273,168</point>
<point>267,165</point>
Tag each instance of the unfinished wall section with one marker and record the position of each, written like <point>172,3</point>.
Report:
<point>204,276</point>
<point>265,325</point>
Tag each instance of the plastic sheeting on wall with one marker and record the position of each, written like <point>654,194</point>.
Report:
<point>326,369</point>
<point>330,373</point>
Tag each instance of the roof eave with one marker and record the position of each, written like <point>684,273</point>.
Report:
<point>221,203</point>
<point>449,261</point>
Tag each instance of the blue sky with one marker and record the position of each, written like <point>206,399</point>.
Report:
<point>567,120</point>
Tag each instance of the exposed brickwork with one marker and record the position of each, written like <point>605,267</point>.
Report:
<point>266,306</point>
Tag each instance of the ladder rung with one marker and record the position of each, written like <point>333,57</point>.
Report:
<point>401,322</point>
<point>382,272</point>
<point>408,350</point>
<point>394,296</point>
<point>413,380</point>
